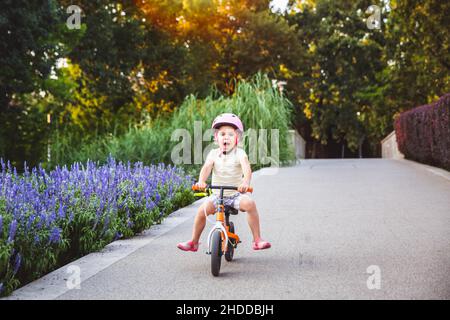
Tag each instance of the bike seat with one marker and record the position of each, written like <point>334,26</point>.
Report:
<point>231,210</point>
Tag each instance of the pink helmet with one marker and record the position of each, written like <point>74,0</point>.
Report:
<point>228,119</point>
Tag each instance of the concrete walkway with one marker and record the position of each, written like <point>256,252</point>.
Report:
<point>340,229</point>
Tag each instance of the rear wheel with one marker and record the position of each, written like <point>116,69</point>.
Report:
<point>231,243</point>
<point>216,252</point>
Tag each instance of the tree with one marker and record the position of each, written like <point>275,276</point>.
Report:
<point>124,55</point>
<point>418,52</point>
<point>343,60</point>
<point>226,40</point>
<point>27,44</point>
<point>30,33</point>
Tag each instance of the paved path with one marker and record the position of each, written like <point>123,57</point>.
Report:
<point>328,221</point>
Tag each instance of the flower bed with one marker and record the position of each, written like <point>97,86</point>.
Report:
<point>48,219</point>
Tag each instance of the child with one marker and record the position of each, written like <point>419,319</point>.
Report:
<point>230,166</point>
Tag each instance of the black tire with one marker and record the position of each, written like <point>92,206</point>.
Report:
<point>230,249</point>
<point>216,252</point>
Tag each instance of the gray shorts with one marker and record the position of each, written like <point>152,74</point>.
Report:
<point>232,201</point>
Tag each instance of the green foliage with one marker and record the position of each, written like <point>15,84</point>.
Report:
<point>87,232</point>
<point>27,45</point>
<point>23,133</point>
<point>344,58</point>
<point>6,251</point>
<point>132,63</point>
<point>257,103</point>
<point>355,80</point>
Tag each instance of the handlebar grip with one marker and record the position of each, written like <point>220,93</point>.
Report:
<point>197,188</point>
<point>250,189</point>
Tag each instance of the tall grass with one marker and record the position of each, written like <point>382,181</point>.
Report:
<point>256,102</point>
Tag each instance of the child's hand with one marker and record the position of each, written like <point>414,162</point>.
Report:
<point>201,185</point>
<point>243,187</point>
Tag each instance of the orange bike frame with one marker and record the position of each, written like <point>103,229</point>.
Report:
<point>225,232</point>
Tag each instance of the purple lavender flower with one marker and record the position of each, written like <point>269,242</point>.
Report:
<point>30,221</point>
<point>55,235</point>
<point>12,230</point>
<point>17,263</point>
<point>149,205</point>
<point>42,202</point>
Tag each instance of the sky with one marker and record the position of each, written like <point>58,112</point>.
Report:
<point>278,4</point>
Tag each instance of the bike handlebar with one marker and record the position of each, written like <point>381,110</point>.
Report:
<point>197,188</point>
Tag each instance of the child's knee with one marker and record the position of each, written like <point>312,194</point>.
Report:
<point>209,206</point>
<point>252,204</point>
<point>247,204</point>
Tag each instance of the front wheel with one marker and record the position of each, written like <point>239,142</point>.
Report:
<point>216,252</point>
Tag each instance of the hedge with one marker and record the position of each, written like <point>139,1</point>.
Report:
<point>423,133</point>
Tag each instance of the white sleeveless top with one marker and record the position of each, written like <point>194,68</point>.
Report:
<point>227,169</point>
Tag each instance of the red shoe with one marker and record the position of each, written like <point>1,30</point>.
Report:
<point>260,244</point>
<point>188,246</point>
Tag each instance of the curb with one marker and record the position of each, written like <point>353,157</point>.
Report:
<point>434,170</point>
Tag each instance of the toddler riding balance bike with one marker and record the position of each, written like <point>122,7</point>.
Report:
<point>222,240</point>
